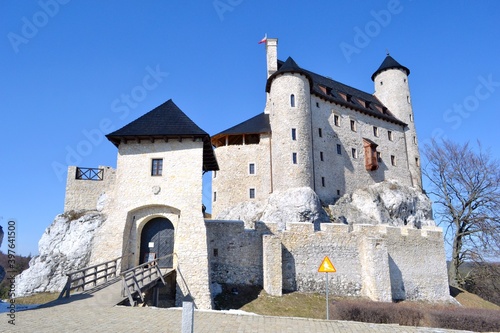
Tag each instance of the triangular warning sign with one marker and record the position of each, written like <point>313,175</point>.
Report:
<point>326,266</point>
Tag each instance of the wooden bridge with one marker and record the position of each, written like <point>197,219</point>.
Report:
<point>105,286</point>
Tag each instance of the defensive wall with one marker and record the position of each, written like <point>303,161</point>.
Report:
<point>377,261</point>
<point>84,186</point>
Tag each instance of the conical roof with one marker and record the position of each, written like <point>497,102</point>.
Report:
<point>389,63</point>
<point>289,66</point>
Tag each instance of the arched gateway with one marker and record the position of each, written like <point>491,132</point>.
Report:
<point>157,240</point>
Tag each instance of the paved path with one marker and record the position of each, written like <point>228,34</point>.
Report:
<point>80,316</point>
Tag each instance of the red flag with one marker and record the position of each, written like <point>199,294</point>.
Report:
<point>263,40</point>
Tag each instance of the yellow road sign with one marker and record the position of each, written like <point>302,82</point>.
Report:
<point>326,266</point>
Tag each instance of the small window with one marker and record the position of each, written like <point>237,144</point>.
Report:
<point>411,116</point>
<point>292,100</point>
<point>417,161</point>
<point>389,136</point>
<point>323,181</point>
<point>215,196</point>
<point>320,132</point>
<point>157,167</point>
<point>251,168</point>
<point>321,156</point>
<point>294,158</point>
<point>216,252</point>
<point>414,140</point>
<point>393,160</point>
<point>339,149</point>
<point>252,193</point>
<point>317,104</point>
<point>338,192</point>
<point>375,131</point>
<point>354,153</point>
<point>336,120</point>
<point>294,134</point>
<point>381,83</point>
<point>353,125</point>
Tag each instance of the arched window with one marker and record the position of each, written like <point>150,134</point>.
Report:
<point>292,100</point>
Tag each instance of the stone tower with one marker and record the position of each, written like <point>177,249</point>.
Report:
<point>289,109</point>
<point>393,90</point>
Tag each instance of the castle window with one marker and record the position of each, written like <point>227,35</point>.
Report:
<point>411,116</point>
<point>338,192</point>
<point>323,181</point>
<point>251,168</point>
<point>336,120</point>
<point>321,156</point>
<point>294,134</point>
<point>216,252</point>
<point>353,125</point>
<point>156,166</point>
<point>251,139</point>
<point>414,140</point>
<point>292,100</point>
<point>317,104</point>
<point>354,153</point>
<point>252,193</point>
<point>320,132</point>
<point>215,196</point>
<point>381,83</point>
<point>294,158</point>
<point>375,131</point>
<point>417,161</point>
<point>339,149</point>
<point>393,160</point>
<point>371,155</point>
<point>389,136</point>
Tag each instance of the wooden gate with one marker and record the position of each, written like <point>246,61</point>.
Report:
<point>157,241</point>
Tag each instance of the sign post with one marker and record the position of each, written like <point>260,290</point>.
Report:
<point>326,267</point>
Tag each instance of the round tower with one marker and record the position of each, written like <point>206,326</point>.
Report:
<point>393,90</point>
<point>289,99</point>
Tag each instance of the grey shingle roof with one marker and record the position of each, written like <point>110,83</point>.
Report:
<point>166,121</point>
<point>254,125</point>
<point>389,63</point>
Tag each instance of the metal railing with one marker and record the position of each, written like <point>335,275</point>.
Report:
<point>91,276</point>
<point>136,278</point>
<point>89,173</point>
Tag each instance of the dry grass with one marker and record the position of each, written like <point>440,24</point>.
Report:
<point>469,300</point>
<point>40,298</point>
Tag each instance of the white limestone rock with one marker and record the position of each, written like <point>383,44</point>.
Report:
<point>384,203</point>
<point>293,205</point>
<point>65,246</point>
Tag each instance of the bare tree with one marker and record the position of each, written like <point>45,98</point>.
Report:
<point>465,186</point>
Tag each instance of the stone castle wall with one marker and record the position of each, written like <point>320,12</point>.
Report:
<point>380,262</point>
<point>84,194</point>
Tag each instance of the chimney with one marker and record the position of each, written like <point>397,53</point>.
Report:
<point>272,55</point>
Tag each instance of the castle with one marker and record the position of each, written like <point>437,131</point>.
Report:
<point>319,133</point>
<point>315,133</point>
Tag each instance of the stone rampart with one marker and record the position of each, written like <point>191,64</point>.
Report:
<point>377,261</point>
<point>84,194</point>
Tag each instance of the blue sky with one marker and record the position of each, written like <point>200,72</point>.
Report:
<point>75,70</point>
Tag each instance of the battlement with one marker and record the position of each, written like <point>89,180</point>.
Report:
<point>84,186</point>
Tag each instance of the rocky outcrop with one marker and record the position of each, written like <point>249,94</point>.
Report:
<point>293,205</point>
<point>65,246</point>
<point>384,203</point>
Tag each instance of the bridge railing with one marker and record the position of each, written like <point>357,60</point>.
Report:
<point>134,279</point>
<point>91,276</point>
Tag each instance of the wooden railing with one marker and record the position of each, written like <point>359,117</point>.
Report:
<point>89,173</point>
<point>136,278</point>
<point>91,276</point>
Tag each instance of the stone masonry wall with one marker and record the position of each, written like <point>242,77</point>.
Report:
<point>84,194</point>
<point>403,263</point>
